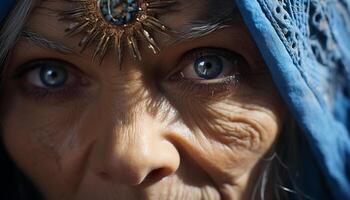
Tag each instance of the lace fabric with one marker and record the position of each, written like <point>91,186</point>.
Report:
<point>306,45</point>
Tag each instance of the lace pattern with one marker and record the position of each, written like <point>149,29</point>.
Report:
<point>305,28</point>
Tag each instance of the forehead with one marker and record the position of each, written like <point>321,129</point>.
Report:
<point>187,18</point>
<point>184,17</point>
<point>184,12</point>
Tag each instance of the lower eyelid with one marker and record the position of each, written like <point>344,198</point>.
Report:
<point>224,87</point>
<point>74,89</point>
<point>56,95</point>
<point>222,80</point>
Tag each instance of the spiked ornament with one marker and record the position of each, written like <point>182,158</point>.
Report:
<point>113,23</point>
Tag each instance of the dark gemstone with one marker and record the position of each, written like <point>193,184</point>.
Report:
<point>119,12</point>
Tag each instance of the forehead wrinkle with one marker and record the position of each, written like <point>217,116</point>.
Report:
<point>201,17</point>
<point>213,8</point>
<point>213,17</point>
<point>44,42</point>
<point>46,30</point>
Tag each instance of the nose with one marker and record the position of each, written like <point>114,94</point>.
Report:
<point>136,153</point>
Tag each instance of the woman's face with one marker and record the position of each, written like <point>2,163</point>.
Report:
<point>192,122</point>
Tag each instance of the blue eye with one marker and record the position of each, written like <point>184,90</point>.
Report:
<point>53,76</point>
<point>209,67</point>
<point>48,74</point>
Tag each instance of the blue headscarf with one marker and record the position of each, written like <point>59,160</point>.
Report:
<point>306,45</point>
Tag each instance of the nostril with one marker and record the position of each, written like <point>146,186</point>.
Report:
<point>157,175</point>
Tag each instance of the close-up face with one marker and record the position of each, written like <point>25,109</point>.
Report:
<point>194,120</point>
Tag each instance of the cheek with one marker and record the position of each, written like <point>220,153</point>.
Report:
<point>31,141</point>
<point>233,138</point>
<point>38,127</point>
<point>43,139</point>
<point>228,138</point>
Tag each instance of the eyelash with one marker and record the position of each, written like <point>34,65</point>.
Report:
<point>186,86</point>
<point>223,88</point>
<point>220,86</point>
<point>66,92</point>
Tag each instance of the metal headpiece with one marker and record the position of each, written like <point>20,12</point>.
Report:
<point>111,23</point>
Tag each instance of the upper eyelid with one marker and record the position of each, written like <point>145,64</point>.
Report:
<point>189,56</point>
<point>90,72</point>
<point>208,50</point>
<point>30,66</point>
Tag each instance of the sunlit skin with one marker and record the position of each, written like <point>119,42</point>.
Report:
<point>147,130</point>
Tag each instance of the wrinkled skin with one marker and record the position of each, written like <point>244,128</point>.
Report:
<point>133,133</point>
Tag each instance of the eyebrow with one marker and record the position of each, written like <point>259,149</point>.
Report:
<point>216,17</point>
<point>44,42</point>
<point>196,29</point>
<point>201,28</point>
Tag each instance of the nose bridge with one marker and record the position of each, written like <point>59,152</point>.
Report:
<point>130,123</point>
<point>135,129</point>
<point>128,103</point>
<point>135,148</point>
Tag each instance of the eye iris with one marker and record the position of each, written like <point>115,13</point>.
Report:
<point>53,76</point>
<point>208,67</point>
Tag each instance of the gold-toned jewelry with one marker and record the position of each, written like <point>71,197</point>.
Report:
<point>110,23</point>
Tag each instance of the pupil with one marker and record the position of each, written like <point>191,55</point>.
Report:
<point>208,67</point>
<point>53,76</point>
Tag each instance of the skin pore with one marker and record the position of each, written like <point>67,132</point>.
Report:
<point>148,130</point>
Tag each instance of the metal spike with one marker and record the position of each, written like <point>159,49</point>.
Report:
<point>118,47</point>
<point>85,20</point>
<point>88,38</point>
<point>151,42</point>
<point>73,11</point>
<point>133,47</point>
<point>72,16</point>
<point>104,49</point>
<point>70,13</point>
<point>156,25</point>
<point>99,47</point>
<point>77,28</point>
<point>161,4</point>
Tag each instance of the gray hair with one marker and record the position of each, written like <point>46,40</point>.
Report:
<point>12,28</point>
<point>280,167</point>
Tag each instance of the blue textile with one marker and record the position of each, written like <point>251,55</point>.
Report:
<point>306,45</point>
<point>5,6</point>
